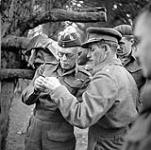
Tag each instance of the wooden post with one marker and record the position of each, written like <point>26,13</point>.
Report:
<point>0,53</point>
<point>0,85</point>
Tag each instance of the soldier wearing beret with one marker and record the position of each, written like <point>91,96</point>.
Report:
<point>127,56</point>
<point>108,104</point>
<point>139,137</point>
<point>47,128</point>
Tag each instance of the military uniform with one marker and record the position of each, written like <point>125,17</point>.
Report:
<point>133,66</point>
<point>108,105</point>
<point>131,63</point>
<point>47,129</point>
<point>139,137</point>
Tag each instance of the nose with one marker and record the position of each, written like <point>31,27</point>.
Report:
<point>64,57</point>
<point>89,54</point>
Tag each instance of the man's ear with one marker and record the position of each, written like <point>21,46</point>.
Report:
<point>106,47</point>
<point>132,41</point>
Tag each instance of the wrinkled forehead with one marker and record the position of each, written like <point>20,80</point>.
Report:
<point>69,50</point>
<point>125,39</point>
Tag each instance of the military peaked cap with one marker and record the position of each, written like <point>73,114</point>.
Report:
<point>125,30</point>
<point>96,34</point>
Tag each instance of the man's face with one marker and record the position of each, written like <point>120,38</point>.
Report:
<point>125,47</point>
<point>68,57</point>
<point>96,55</point>
<point>143,33</point>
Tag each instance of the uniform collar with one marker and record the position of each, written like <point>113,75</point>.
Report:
<point>61,73</point>
<point>127,60</point>
<point>113,61</point>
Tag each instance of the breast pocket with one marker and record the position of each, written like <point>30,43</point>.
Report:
<point>60,132</point>
<point>72,84</point>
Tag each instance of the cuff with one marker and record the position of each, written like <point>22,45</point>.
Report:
<point>36,92</point>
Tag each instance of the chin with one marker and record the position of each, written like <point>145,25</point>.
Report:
<point>65,68</point>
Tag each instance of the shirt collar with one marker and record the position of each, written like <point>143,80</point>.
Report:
<point>61,73</point>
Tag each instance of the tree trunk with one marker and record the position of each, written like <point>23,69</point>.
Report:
<point>16,73</point>
<point>14,42</point>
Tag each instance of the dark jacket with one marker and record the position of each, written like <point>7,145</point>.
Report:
<point>133,66</point>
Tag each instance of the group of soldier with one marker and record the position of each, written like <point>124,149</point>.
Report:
<point>103,95</point>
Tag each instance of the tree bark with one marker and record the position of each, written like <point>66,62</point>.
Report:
<point>16,73</point>
<point>11,42</point>
<point>57,15</point>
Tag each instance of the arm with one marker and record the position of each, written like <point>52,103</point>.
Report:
<point>30,95</point>
<point>97,100</point>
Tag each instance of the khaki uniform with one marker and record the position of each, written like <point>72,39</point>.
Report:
<point>108,106</point>
<point>133,66</point>
<point>139,137</point>
<point>48,130</point>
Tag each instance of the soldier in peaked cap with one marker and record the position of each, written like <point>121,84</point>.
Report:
<point>139,137</point>
<point>126,54</point>
<point>111,92</point>
<point>47,128</point>
<point>126,42</point>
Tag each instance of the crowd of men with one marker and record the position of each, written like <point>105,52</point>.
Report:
<point>110,94</point>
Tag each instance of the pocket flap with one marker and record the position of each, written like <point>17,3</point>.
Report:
<point>58,136</point>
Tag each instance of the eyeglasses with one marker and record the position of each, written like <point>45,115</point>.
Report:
<point>68,55</point>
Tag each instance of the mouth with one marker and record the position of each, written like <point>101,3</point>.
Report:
<point>119,51</point>
<point>64,63</point>
<point>90,60</point>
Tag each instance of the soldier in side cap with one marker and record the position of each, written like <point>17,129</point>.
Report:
<point>47,128</point>
<point>108,104</point>
<point>139,137</point>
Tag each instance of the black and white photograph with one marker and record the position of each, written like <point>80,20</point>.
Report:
<point>75,75</point>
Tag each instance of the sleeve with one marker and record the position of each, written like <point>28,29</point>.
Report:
<point>82,89</point>
<point>97,100</point>
<point>29,95</point>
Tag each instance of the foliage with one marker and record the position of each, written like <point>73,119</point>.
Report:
<point>118,11</point>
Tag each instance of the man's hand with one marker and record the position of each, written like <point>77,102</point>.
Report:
<point>39,84</point>
<point>51,83</point>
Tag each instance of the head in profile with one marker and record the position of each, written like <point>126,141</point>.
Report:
<point>102,44</point>
<point>127,40</point>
